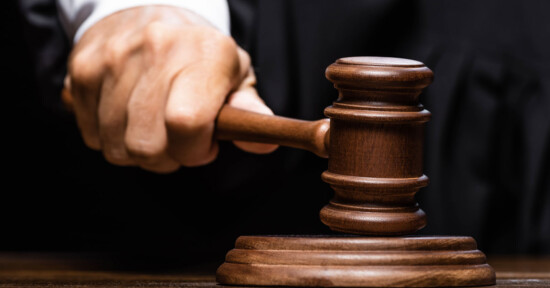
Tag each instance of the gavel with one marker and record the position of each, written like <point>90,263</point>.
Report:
<point>373,139</point>
<point>373,142</point>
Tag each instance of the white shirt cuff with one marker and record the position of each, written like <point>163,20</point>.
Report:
<point>77,16</point>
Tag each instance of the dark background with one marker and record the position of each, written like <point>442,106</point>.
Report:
<point>487,146</point>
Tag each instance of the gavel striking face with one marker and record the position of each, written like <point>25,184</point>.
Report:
<point>374,143</point>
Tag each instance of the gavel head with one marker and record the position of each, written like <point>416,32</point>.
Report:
<point>376,141</point>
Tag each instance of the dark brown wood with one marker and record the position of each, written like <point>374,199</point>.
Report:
<point>374,143</point>
<point>377,130</point>
<point>237,124</point>
<point>375,168</point>
<point>374,146</point>
<point>376,137</point>
<point>355,262</point>
<point>89,270</point>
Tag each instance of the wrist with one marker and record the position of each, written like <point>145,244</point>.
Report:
<point>80,16</point>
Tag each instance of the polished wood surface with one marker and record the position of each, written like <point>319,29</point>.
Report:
<point>81,270</point>
<point>237,124</point>
<point>374,143</point>
<point>355,262</point>
<point>375,168</point>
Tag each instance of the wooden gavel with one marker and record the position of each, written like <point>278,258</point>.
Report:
<point>373,142</point>
<point>374,148</point>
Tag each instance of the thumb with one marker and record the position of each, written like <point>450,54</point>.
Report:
<point>247,98</point>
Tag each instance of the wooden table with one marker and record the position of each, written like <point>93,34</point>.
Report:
<point>80,270</point>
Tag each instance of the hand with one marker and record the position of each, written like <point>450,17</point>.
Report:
<point>148,82</point>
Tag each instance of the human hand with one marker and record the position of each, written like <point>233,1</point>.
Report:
<point>147,84</point>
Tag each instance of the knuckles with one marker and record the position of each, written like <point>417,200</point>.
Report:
<point>158,37</point>
<point>192,42</point>
<point>186,120</point>
<point>83,70</point>
<point>185,125</point>
<point>116,51</point>
<point>214,45</point>
<point>217,39</point>
<point>145,150</point>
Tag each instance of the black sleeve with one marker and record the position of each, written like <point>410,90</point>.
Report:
<point>46,47</point>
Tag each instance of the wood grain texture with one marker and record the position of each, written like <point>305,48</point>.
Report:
<point>355,262</point>
<point>237,124</point>
<point>85,270</point>
<point>375,168</point>
<point>376,141</point>
<point>373,141</point>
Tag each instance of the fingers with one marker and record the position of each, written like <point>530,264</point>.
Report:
<point>113,113</point>
<point>245,70</point>
<point>196,96</point>
<point>85,83</point>
<point>146,139</point>
<point>132,102</point>
<point>246,97</point>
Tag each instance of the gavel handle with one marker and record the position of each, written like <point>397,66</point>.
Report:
<point>237,124</point>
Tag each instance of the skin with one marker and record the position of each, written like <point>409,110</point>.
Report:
<point>147,84</point>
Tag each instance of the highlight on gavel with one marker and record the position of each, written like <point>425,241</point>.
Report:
<point>373,139</point>
<point>374,143</point>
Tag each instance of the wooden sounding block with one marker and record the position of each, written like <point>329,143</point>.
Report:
<point>355,262</point>
<point>373,142</point>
